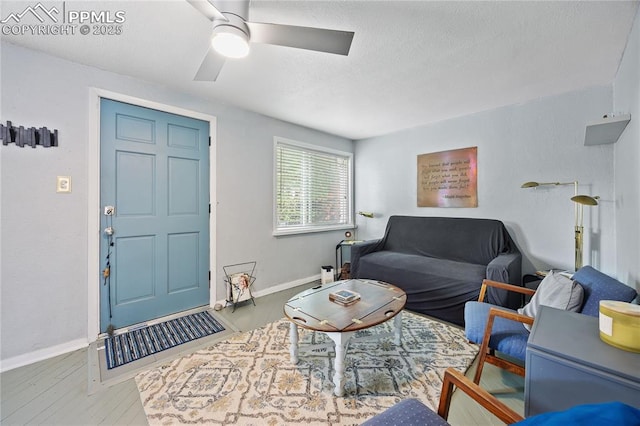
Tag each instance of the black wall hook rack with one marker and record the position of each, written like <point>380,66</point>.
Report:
<point>31,136</point>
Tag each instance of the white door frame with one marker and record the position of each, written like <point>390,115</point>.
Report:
<point>93,195</point>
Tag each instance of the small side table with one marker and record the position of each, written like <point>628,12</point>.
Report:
<point>343,250</point>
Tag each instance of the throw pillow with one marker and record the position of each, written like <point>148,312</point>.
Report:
<point>556,291</point>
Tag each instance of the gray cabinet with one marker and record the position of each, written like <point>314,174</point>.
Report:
<point>567,364</point>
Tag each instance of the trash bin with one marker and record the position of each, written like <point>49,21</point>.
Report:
<point>326,274</point>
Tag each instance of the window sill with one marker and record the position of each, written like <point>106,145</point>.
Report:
<point>311,229</point>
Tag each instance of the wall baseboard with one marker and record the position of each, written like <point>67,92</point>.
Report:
<point>46,353</point>
<point>41,354</point>
<point>281,287</point>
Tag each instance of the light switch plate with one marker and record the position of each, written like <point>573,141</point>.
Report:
<point>63,184</point>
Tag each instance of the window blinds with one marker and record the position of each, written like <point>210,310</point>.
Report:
<point>312,187</point>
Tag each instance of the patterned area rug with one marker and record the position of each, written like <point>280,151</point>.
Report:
<point>249,379</point>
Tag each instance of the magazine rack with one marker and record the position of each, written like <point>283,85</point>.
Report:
<point>239,279</point>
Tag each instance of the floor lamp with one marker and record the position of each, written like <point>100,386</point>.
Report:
<point>580,201</point>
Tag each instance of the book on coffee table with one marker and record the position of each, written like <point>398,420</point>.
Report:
<point>344,297</point>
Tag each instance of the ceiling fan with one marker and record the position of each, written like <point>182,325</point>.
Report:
<point>232,33</point>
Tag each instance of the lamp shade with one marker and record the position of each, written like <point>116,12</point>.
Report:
<point>585,200</point>
<point>537,184</point>
<point>529,185</point>
<point>366,214</point>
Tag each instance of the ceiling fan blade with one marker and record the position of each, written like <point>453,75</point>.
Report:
<point>309,38</point>
<point>207,9</point>
<point>211,66</point>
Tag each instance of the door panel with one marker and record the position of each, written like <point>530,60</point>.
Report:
<point>183,261</point>
<point>183,137</point>
<point>135,129</point>
<point>155,172</point>
<point>183,186</point>
<point>134,275</point>
<point>135,184</point>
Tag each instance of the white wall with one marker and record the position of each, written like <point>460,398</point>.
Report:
<point>626,97</point>
<point>539,141</point>
<point>43,237</point>
<point>44,263</point>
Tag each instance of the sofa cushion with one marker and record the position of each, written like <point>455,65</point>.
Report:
<point>556,291</point>
<point>435,287</point>
<point>508,336</point>
<point>422,264</point>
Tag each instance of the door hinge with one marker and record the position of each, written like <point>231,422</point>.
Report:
<point>209,140</point>
<point>209,279</point>
<point>209,208</point>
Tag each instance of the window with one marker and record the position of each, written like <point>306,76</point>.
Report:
<point>312,188</point>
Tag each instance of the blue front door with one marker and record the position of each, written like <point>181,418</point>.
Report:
<point>155,174</point>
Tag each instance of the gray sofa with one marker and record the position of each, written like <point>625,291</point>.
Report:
<point>440,262</point>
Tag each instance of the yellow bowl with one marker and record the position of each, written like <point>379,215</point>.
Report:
<point>620,324</point>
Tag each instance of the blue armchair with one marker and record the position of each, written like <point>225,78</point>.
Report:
<point>411,412</point>
<point>498,329</point>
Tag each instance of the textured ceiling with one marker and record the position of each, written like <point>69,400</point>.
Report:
<point>411,63</point>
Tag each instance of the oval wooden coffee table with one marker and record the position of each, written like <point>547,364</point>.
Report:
<point>312,309</point>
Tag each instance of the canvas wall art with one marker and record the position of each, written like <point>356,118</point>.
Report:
<point>448,178</point>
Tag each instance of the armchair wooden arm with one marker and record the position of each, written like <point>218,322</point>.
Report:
<point>486,355</point>
<point>485,399</point>
<point>497,312</point>
<point>504,286</point>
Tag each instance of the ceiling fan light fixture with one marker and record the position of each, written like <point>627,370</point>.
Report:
<point>230,41</point>
<point>232,32</point>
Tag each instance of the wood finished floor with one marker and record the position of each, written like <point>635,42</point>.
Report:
<point>57,391</point>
